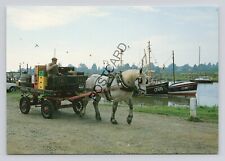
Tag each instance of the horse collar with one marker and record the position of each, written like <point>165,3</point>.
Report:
<point>121,82</point>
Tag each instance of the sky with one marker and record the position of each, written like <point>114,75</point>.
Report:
<point>91,34</point>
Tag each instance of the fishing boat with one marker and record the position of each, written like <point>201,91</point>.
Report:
<point>154,87</point>
<point>157,88</point>
<point>182,88</point>
<point>202,79</point>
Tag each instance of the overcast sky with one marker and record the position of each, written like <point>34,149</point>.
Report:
<point>90,34</point>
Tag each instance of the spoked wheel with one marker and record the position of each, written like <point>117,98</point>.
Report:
<point>47,109</point>
<point>55,104</point>
<point>77,107</point>
<point>12,89</point>
<point>25,105</point>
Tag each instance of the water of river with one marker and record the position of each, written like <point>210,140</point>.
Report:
<point>207,95</point>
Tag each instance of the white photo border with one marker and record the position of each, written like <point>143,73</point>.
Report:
<point>3,141</point>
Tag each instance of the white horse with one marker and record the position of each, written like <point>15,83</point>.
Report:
<point>116,88</point>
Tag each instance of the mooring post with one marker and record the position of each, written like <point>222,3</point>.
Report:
<point>193,105</point>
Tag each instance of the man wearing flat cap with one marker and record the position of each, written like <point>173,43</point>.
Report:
<point>52,68</point>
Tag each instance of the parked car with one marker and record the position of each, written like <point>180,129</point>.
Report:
<point>10,87</point>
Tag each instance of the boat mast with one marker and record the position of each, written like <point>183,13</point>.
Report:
<point>149,53</point>
<point>145,57</point>
<point>173,67</point>
<point>121,60</point>
<point>27,68</point>
<point>199,55</point>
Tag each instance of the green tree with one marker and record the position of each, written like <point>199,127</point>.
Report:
<point>94,69</point>
<point>82,67</point>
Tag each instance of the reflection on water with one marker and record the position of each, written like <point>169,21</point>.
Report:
<point>207,94</point>
<point>161,101</point>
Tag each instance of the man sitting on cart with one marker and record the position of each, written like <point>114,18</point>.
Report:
<point>52,68</point>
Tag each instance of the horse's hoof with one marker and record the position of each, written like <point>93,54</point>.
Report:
<point>81,115</point>
<point>113,121</point>
<point>129,122</point>
<point>129,119</point>
<point>98,117</point>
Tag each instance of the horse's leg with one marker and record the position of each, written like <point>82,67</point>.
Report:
<point>114,108</point>
<point>84,104</point>
<point>95,103</point>
<point>130,116</point>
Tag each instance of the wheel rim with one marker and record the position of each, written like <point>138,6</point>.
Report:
<point>46,111</point>
<point>79,106</point>
<point>12,89</point>
<point>24,106</point>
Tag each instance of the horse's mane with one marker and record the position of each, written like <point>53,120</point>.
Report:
<point>129,76</point>
<point>131,71</point>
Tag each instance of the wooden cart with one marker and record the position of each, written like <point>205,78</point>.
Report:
<point>50,100</point>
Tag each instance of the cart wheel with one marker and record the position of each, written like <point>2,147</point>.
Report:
<point>47,109</point>
<point>25,105</point>
<point>12,89</point>
<point>55,104</point>
<point>77,107</point>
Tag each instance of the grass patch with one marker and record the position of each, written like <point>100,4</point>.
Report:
<point>204,113</point>
<point>14,95</point>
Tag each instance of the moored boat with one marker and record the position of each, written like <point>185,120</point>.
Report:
<point>157,88</point>
<point>183,88</point>
<point>203,79</point>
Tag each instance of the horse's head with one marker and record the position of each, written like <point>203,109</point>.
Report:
<point>136,78</point>
<point>141,82</point>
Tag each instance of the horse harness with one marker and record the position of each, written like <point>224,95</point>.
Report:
<point>120,82</point>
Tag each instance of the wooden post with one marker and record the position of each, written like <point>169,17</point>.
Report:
<point>193,105</point>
